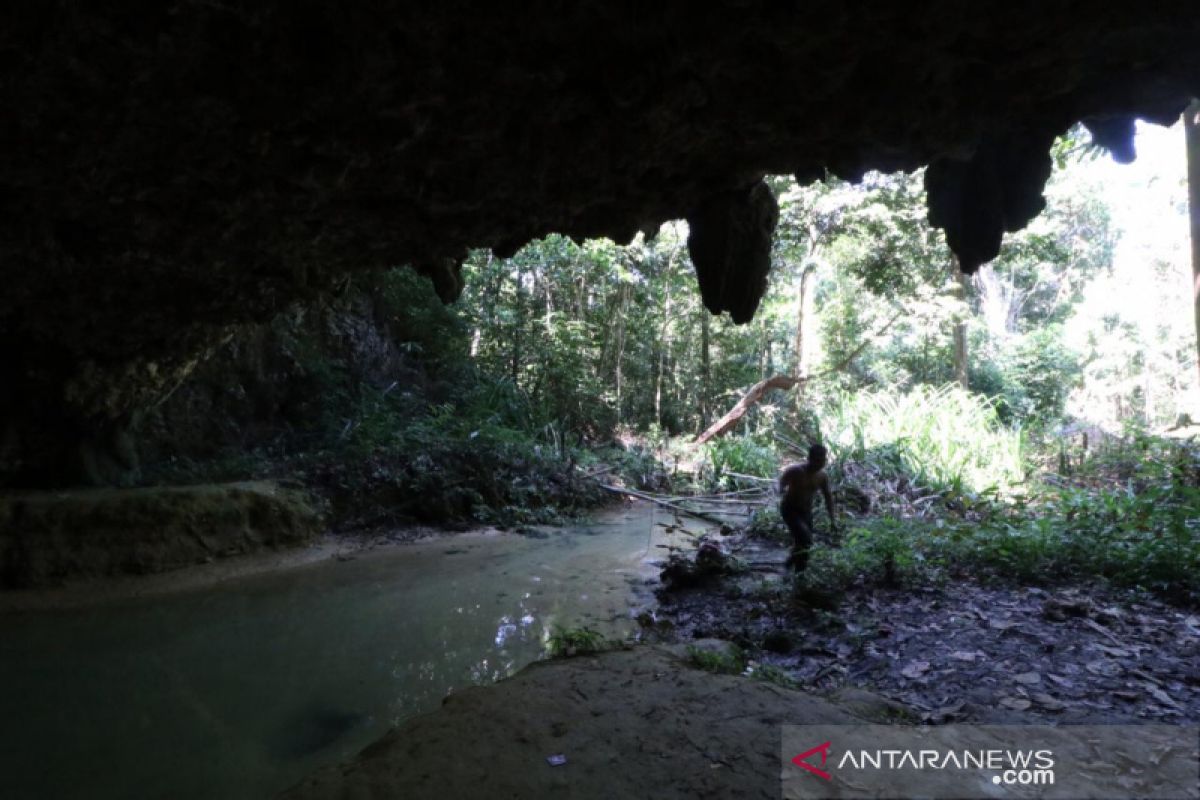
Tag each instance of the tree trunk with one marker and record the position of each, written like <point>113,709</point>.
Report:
<point>497,287</point>
<point>497,284</point>
<point>548,320</point>
<point>623,294</point>
<point>704,368</point>
<point>664,347</point>
<point>1191,132</point>
<point>519,324</point>
<point>804,320</point>
<point>960,326</point>
<point>662,366</point>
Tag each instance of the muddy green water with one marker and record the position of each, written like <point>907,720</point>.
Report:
<point>240,690</point>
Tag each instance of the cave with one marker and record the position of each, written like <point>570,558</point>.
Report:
<point>175,174</point>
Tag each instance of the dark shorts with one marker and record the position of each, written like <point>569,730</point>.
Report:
<point>800,523</point>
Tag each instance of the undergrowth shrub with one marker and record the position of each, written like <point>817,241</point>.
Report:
<point>1141,530</point>
<point>880,551</point>
<point>566,642</point>
<point>744,455</point>
<point>945,439</point>
<point>1148,540</point>
<point>729,661</point>
<point>765,523</point>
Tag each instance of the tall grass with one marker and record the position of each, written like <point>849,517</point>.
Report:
<point>944,439</point>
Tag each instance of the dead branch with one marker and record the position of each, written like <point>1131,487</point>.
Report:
<point>663,503</point>
<point>748,478</point>
<point>748,401</point>
<point>785,383</point>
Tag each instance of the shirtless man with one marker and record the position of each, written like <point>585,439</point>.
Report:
<point>798,484</point>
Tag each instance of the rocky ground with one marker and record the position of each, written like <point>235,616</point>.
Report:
<point>635,722</point>
<point>961,651</point>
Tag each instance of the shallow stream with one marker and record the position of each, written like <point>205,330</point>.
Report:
<point>241,689</point>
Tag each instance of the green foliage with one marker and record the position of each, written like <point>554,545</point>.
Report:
<point>569,353</point>
<point>874,254</point>
<point>884,548</point>
<point>730,661</point>
<point>566,642</point>
<point>433,469</point>
<point>765,523</point>
<point>636,465</point>
<point>1030,378</point>
<point>1142,532</point>
<point>425,326</point>
<point>944,439</point>
<point>1147,540</point>
<point>881,550</point>
<point>770,673</point>
<point>744,455</point>
<point>599,338</point>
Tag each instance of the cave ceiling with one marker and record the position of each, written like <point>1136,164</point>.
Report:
<point>172,169</point>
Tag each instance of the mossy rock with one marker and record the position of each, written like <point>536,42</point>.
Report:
<point>47,538</point>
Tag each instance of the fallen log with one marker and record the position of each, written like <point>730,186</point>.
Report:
<point>792,445</point>
<point>665,504</point>
<point>598,472</point>
<point>751,494</point>
<point>748,401</point>
<point>748,478</point>
<point>725,501</point>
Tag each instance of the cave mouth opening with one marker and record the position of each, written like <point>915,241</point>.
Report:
<point>206,350</point>
<point>172,176</point>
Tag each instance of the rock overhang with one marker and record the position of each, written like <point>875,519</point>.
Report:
<point>173,170</point>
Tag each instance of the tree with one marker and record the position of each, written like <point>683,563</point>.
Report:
<point>961,288</point>
<point>1191,129</point>
<point>804,321</point>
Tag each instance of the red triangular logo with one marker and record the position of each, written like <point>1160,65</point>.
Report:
<point>823,749</point>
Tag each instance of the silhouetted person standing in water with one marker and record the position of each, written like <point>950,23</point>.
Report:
<point>798,484</point>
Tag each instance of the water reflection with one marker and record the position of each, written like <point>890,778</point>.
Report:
<point>241,690</point>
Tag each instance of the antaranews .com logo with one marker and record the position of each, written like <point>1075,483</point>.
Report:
<point>1022,767</point>
<point>965,761</point>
